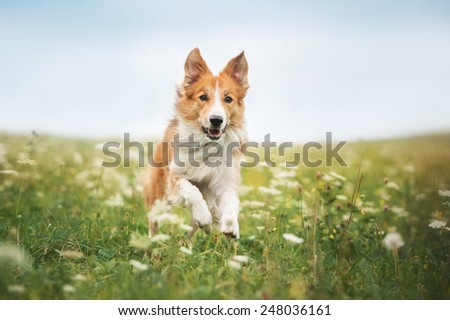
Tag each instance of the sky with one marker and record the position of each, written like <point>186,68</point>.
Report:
<point>360,69</point>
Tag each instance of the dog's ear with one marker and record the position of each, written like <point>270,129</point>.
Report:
<point>194,67</point>
<point>237,69</point>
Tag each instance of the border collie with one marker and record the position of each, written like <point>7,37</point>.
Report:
<point>209,115</point>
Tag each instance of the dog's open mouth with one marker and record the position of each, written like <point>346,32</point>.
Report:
<point>213,133</point>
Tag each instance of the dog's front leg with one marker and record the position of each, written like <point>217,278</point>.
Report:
<point>194,200</point>
<point>229,212</point>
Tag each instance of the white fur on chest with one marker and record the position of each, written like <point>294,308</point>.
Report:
<point>208,162</point>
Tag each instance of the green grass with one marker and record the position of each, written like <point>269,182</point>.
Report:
<point>74,232</point>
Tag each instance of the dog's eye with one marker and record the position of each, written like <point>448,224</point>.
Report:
<point>203,97</point>
<point>228,99</point>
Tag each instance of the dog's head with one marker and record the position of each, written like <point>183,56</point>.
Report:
<point>213,103</point>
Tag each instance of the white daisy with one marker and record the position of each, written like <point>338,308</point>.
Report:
<point>68,288</point>
<point>338,176</point>
<point>444,193</point>
<point>437,224</point>
<point>186,227</point>
<point>392,185</point>
<point>186,250</point>
<point>272,191</point>
<point>27,162</point>
<point>292,238</point>
<point>393,241</point>
<point>160,237</point>
<point>79,277</point>
<point>9,172</point>
<point>241,259</point>
<point>233,264</point>
<point>115,201</point>
<point>139,241</point>
<point>16,288</point>
<point>138,266</point>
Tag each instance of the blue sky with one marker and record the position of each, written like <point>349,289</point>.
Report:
<point>361,69</point>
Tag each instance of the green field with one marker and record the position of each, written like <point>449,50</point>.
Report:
<point>70,229</point>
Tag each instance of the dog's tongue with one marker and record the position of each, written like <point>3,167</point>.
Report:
<point>214,133</point>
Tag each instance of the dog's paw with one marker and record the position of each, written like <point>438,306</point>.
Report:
<point>203,219</point>
<point>230,227</point>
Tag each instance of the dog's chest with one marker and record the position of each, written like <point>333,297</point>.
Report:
<point>208,163</point>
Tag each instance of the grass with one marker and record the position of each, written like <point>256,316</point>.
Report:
<point>70,228</point>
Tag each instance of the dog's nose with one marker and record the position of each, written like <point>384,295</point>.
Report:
<point>216,121</point>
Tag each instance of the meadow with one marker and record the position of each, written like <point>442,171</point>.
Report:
<point>375,229</point>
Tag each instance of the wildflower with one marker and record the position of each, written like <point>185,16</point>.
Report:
<point>400,212</point>
<point>393,241</point>
<point>284,174</point>
<point>243,190</point>
<point>9,172</point>
<point>16,289</point>
<point>186,227</point>
<point>385,207</point>
<point>292,238</point>
<point>161,207</point>
<point>370,210</point>
<point>271,191</point>
<point>79,277</point>
<point>338,176</point>
<point>160,237</point>
<point>27,162</point>
<point>71,254</point>
<point>68,288</point>
<point>139,241</point>
<point>138,266</point>
<point>444,193</point>
<point>234,264</point>
<point>169,218</point>
<point>341,197</point>
<point>392,185</point>
<point>186,250</point>
<point>437,224</point>
<point>13,256</point>
<point>241,259</point>
<point>127,191</point>
<point>252,204</point>
<point>283,183</point>
<point>115,201</point>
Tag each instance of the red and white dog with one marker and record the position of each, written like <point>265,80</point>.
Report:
<point>209,110</point>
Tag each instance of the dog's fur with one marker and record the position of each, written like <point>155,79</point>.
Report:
<point>211,193</point>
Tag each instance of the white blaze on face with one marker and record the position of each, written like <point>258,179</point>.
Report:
<point>217,109</point>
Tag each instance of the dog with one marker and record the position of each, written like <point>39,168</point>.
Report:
<point>209,115</point>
